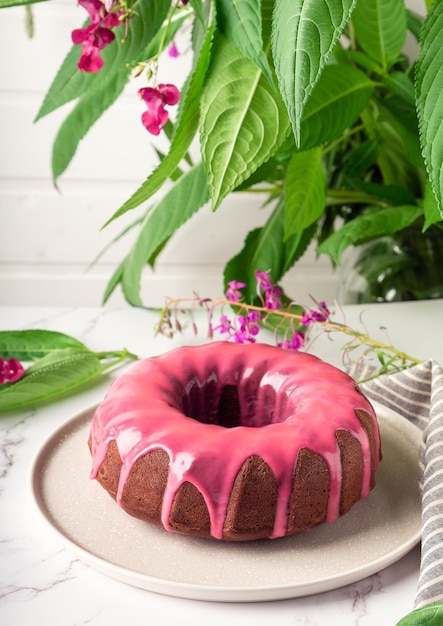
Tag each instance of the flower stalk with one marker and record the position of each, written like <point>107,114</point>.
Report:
<point>294,327</point>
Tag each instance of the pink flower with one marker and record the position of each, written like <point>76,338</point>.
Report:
<point>11,370</point>
<point>155,118</point>
<point>232,292</point>
<point>321,314</point>
<point>249,327</point>
<point>97,35</point>
<point>264,281</point>
<point>273,298</point>
<point>225,325</point>
<point>173,51</point>
<point>295,342</point>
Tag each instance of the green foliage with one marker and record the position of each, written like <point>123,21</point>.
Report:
<point>311,102</point>
<point>185,198</point>
<point>304,35</point>
<point>27,345</point>
<point>431,615</point>
<point>243,121</point>
<point>429,85</point>
<point>60,364</point>
<point>373,223</point>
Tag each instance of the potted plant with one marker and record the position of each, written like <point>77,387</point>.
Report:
<point>312,103</point>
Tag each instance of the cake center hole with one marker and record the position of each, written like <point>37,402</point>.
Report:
<point>228,411</point>
<point>210,404</point>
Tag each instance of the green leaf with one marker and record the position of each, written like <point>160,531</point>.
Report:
<point>15,3</point>
<point>305,191</point>
<point>400,84</point>
<point>243,123</point>
<point>27,345</point>
<point>114,281</point>
<point>339,97</point>
<point>362,60</point>
<point>414,21</point>
<point>188,195</point>
<point>389,194</point>
<point>401,120</point>
<point>304,35</point>
<point>360,158</point>
<point>57,373</point>
<point>264,250</point>
<point>429,87</point>
<point>430,208</point>
<point>431,615</point>
<point>186,126</point>
<point>374,223</point>
<point>380,29</point>
<point>241,22</point>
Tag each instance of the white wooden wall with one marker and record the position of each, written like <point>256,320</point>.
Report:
<point>49,238</point>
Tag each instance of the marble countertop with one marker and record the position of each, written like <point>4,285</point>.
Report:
<point>42,582</point>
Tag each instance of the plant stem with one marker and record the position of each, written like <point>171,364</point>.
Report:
<point>117,357</point>
<point>358,338</point>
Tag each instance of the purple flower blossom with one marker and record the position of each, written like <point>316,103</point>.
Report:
<point>264,281</point>
<point>273,298</point>
<point>321,314</point>
<point>11,371</point>
<point>225,325</point>
<point>295,342</point>
<point>249,327</point>
<point>233,293</point>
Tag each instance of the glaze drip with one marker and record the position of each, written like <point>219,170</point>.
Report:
<point>213,406</point>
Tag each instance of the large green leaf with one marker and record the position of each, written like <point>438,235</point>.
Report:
<point>305,191</point>
<point>304,35</point>
<point>241,22</point>
<point>186,197</point>
<point>243,121</point>
<point>127,49</point>
<point>57,373</point>
<point>429,87</point>
<point>380,29</point>
<point>431,615</point>
<point>27,345</point>
<point>374,223</point>
<point>14,3</point>
<point>337,100</point>
<point>187,123</point>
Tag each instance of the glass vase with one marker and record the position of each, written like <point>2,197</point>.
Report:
<point>394,269</point>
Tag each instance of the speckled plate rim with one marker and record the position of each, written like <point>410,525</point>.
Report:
<point>233,593</point>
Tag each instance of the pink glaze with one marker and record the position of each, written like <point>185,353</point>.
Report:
<point>289,401</point>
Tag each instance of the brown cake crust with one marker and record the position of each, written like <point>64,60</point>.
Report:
<point>254,494</point>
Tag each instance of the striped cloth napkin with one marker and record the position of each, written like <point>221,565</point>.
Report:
<point>417,395</point>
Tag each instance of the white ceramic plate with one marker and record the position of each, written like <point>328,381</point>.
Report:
<point>374,534</point>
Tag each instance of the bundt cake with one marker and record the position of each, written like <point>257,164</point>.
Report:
<point>235,442</point>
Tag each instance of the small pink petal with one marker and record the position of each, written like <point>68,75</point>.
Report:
<point>169,93</point>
